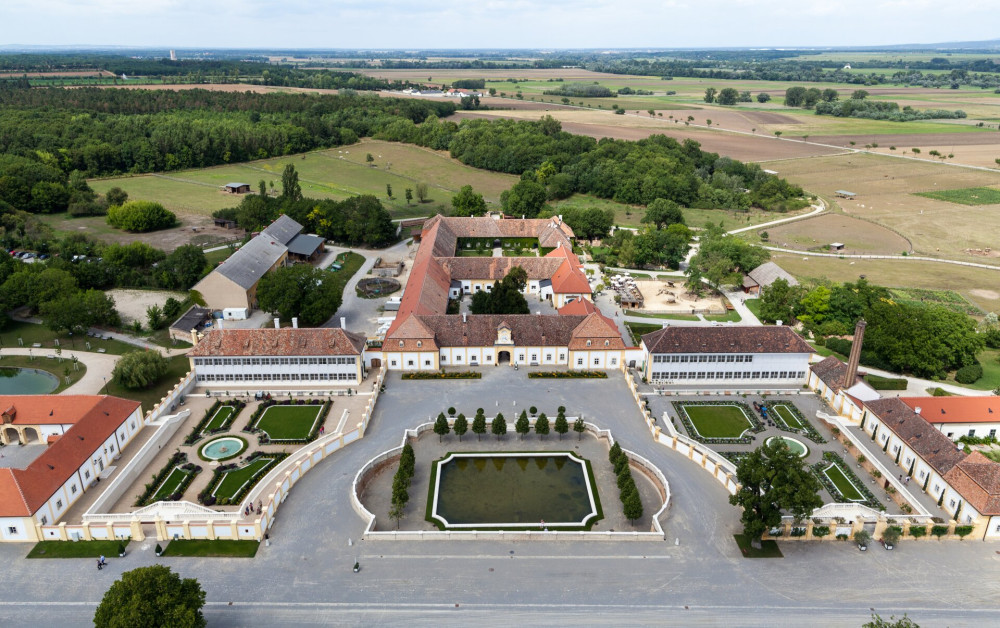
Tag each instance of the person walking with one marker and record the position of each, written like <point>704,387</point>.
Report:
<point>99,565</point>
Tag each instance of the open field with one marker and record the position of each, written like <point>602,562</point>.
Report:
<point>336,173</point>
<point>884,188</point>
<point>966,196</point>
<point>976,284</point>
<point>193,229</point>
<point>858,235</point>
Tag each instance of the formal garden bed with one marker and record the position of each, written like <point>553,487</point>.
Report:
<point>843,485</point>
<point>177,481</point>
<point>227,548</point>
<point>177,459</point>
<point>718,422</point>
<point>217,419</point>
<point>568,374</point>
<point>787,417</point>
<point>288,422</point>
<point>734,456</point>
<point>443,375</point>
<point>231,482</point>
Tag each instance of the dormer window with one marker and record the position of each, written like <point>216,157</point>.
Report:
<point>588,343</point>
<point>400,343</point>
<point>420,343</point>
<point>607,343</point>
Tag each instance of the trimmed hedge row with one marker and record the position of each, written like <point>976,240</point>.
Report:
<point>829,456</point>
<point>262,439</point>
<point>206,497</point>
<point>693,433</point>
<point>568,374</point>
<point>150,489</point>
<point>196,433</point>
<point>886,383</point>
<point>628,492</point>
<point>437,375</point>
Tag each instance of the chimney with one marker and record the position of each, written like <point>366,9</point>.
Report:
<point>465,317</point>
<point>560,219</point>
<point>778,322</point>
<point>343,322</point>
<point>852,362</point>
<point>295,322</point>
<point>220,324</point>
<point>277,323</point>
<point>194,337</point>
<point>917,409</point>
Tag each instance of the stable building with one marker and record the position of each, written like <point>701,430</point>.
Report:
<point>262,359</point>
<point>956,417</point>
<point>85,435</point>
<point>763,276</point>
<point>744,357</point>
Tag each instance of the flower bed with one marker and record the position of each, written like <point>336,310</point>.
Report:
<point>776,409</point>
<point>439,375</point>
<point>238,480</point>
<point>829,458</point>
<point>753,424</point>
<point>735,457</point>
<point>568,374</point>
<point>285,433</point>
<point>177,481</point>
<point>201,429</point>
<point>161,475</point>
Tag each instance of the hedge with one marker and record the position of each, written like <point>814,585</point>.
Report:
<point>206,497</point>
<point>969,374</point>
<point>437,375</point>
<point>262,439</point>
<point>161,475</point>
<point>196,433</point>
<point>567,374</point>
<point>886,383</point>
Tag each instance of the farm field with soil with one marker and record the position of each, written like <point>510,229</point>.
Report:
<point>858,235</point>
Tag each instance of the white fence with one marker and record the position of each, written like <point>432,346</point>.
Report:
<point>370,533</point>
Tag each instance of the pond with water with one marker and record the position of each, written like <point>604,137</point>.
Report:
<point>15,381</point>
<point>513,490</point>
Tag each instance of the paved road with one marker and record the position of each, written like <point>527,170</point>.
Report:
<point>305,576</point>
<point>361,314</point>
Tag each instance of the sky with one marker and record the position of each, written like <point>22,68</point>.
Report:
<point>440,24</point>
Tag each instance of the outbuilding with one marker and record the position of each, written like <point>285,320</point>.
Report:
<point>237,188</point>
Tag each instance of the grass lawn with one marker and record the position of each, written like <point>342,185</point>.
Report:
<point>732,316</point>
<point>31,333</point>
<point>673,317</point>
<point>221,416</point>
<point>233,481</point>
<point>787,417</point>
<point>768,549</point>
<point>289,422</point>
<point>170,485</point>
<point>77,549</point>
<point>350,264</point>
<point>966,196</point>
<point>989,358</point>
<point>178,367</point>
<point>210,549</point>
<point>847,489</point>
<point>718,421</point>
<point>638,330</point>
<point>50,366</point>
<point>162,338</point>
<point>754,306</point>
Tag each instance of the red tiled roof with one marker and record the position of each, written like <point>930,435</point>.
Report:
<point>725,340</point>
<point>577,307</point>
<point>929,443</point>
<point>24,491</point>
<point>977,479</point>
<point>957,409</point>
<point>248,342</point>
<point>497,267</point>
<point>832,373</point>
<point>599,331</point>
<point>569,278</point>
<point>47,409</point>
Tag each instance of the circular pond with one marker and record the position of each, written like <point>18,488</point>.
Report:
<point>14,381</point>
<point>223,448</point>
<point>795,446</point>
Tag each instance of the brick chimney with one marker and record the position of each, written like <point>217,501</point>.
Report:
<point>855,357</point>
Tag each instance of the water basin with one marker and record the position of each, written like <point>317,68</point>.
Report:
<point>796,446</point>
<point>223,448</point>
<point>15,381</point>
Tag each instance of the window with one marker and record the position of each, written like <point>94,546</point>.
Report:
<point>588,343</point>
<point>684,358</point>
<point>993,433</point>
<point>409,363</point>
<point>13,530</point>
<point>579,361</point>
<point>614,361</point>
<point>458,358</point>
<point>972,432</point>
<point>45,520</point>
<point>597,361</point>
<point>562,356</point>
<point>548,357</point>
<point>937,488</point>
<point>951,503</point>
<point>534,357</point>
<point>427,362</point>
<point>72,489</point>
<point>895,448</point>
<point>393,363</point>
<point>86,475</point>
<point>132,424</point>
<point>400,343</point>
<point>59,504</point>
<point>703,358</point>
<point>420,343</point>
<point>922,475</point>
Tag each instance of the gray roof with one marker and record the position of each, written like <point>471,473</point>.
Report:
<point>247,265</point>
<point>193,318</point>
<point>305,244</point>
<point>283,230</point>
<point>236,185</point>
<point>768,272</point>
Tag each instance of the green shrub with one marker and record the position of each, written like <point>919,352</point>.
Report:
<point>969,374</point>
<point>141,216</point>
<point>839,345</point>
<point>918,531</point>
<point>939,531</point>
<point>138,370</point>
<point>821,531</point>
<point>963,531</point>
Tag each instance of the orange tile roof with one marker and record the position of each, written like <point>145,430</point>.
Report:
<point>248,342</point>
<point>24,491</point>
<point>956,409</point>
<point>577,307</point>
<point>47,409</point>
<point>977,479</point>
<point>597,330</point>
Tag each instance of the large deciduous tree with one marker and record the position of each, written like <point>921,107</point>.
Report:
<point>722,259</point>
<point>773,480</point>
<point>151,597</point>
<point>138,370</point>
<point>300,291</point>
<point>662,213</point>
<point>468,203</point>
<point>506,297</point>
<point>526,198</point>
<point>290,187</point>
<point>778,302</point>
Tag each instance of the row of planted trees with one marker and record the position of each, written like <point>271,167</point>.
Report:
<point>498,426</point>
<point>628,492</point>
<point>401,483</point>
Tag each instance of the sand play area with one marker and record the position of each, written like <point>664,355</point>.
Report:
<point>671,297</point>
<point>132,304</point>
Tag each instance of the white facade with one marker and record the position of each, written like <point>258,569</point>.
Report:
<point>216,372</point>
<point>954,431</point>
<point>745,369</point>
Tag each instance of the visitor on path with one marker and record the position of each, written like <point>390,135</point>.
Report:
<point>99,565</point>
<point>102,561</point>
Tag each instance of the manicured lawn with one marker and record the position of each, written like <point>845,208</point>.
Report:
<point>170,485</point>
<point>673,317</point>
<point>787,416</point>
<point>754,306</point>
<point>847,489</point>
<point>966,196</point>
<point>31,333</point>
<point>989,358</point>
<point>75,549</point>
<point>210,549</point>
<point>289,422</point>
<point>233,481</point>
<point>718,421</point>
<point>221,416</point>
<point>731,316</point>
<point>55,367</point>
<point>640,329</point>
<point>768,549</point>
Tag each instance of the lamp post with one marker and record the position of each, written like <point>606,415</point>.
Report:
<point>105,385</point>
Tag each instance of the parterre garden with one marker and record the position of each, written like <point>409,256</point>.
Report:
<point>285,422</point>
<point>718,422</point>
<point>231,482</point>
<point>840,481</point>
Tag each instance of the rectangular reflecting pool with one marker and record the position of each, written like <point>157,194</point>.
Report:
<point>516,490</point>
